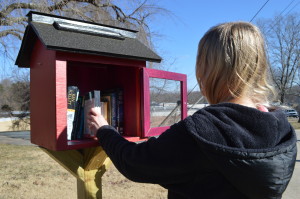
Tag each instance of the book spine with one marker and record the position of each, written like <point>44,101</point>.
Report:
<point>87,106</point>
<point>113,109</point>
<point>97,104</point>
<point>120,119</point>
<point>104,109</point>
<point>80,130</point>
<point>106,99</point>
<point>96,94</point>
<point>80,125</point>
<point>72,97</point>
<point>77,118</point>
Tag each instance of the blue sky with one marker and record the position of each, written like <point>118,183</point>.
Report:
<point>181,34</point>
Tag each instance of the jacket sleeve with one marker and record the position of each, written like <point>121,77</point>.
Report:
<point>170,158</point>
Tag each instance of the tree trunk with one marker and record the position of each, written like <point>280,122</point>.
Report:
<point>282,96</point>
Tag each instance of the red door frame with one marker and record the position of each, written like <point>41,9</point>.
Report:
<point>148,73</point>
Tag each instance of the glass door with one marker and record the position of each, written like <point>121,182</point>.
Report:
<point>164,100</point>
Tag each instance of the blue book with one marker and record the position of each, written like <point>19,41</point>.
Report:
<point>120,111</point>
<point>79,129</point>
<point>114,109</point>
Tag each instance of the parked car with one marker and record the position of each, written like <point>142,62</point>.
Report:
<point>291,113</point>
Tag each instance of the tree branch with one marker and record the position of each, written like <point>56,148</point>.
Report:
<point>138,8</point>
<point>12,20</point>
<point>15,32</point>
<point>14,6</point>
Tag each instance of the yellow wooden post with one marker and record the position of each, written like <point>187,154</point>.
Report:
<point>87,165</point>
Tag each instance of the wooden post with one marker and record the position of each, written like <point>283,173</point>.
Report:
<point>87,165</point>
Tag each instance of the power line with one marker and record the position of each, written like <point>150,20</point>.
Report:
<point>278,18</point>
<point>286,8</point>
<point>292,8</point>
<point>259,10</point>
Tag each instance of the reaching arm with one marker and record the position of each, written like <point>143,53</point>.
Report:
<point>170,158</point>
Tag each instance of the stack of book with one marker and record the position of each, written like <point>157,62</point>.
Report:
<point>110,104</point>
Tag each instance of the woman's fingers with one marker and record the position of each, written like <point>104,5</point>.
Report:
<point>95,119</point>
<point>95,111</point>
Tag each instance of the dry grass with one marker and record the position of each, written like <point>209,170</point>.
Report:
<point>8,126</point>
<point>156,121</point>
<point>27,172</point>
<point>294,123</point>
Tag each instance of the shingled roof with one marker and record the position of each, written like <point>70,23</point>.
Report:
<point>66,34</point>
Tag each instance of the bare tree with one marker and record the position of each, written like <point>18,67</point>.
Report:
<point>135,14</point>
<point>283,42</point>
<point>5,103</point>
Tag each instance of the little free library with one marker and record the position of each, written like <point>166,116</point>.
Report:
<point>106,66</point>
<point>75,65</point>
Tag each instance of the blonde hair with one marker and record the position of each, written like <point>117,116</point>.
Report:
<point>232,62</point>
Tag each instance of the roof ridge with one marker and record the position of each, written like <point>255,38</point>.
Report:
<point>31,17</point>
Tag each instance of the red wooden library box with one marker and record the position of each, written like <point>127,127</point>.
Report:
<point>61,52</point>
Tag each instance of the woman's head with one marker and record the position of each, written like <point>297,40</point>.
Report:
<point>232,63</point>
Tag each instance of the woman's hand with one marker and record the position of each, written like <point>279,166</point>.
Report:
<point>95,119</point>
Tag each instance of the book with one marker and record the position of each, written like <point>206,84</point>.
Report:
<point>120,111</point>
<point>72,96</point>
<point>91,100</point>
<point>80,122</point>
<point>104,110</point>
<point>115,108</point>
<point>110,104</point>
<point>106,99</point>
<point>76,121</point>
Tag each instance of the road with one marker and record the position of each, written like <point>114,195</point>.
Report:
<point>15,138</point>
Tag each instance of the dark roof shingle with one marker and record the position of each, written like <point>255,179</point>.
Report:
<point>71,41</point>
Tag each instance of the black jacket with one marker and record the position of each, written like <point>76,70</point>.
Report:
<point>222,151</point>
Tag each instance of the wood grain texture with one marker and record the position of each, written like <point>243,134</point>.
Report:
<point>87,165</point>
<point>42,97</point>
